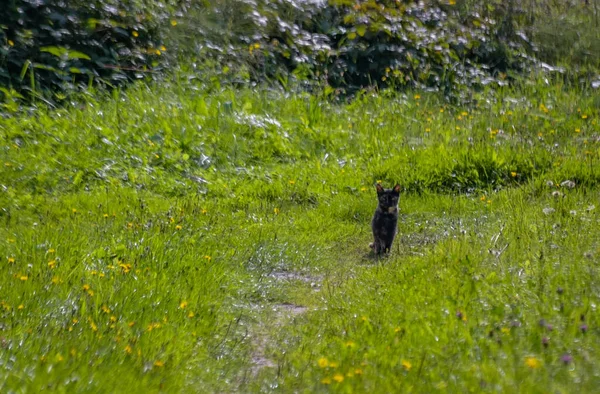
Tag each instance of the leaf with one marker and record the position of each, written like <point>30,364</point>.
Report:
<point>63,52</point>
<point>361,30</point>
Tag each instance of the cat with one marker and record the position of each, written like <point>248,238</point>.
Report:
<point>385,219</point>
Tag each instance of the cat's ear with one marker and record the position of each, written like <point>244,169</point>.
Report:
<point>379,188</point>
<point>397,188</point>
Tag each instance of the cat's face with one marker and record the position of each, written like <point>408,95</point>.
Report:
<point>388,198</point>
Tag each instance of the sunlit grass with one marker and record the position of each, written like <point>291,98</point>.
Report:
<point>179,237</point>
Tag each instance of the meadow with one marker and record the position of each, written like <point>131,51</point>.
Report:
<point>185,236</point>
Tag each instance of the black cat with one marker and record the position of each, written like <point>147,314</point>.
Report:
<point>385,220</point>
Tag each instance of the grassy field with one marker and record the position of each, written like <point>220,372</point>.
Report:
<point>182,237</point>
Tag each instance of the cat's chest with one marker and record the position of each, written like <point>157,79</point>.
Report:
<point>384,219</point>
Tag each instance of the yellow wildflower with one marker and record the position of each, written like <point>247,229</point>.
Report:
<point>276,210</point>
<point>158,363</point>
<point>51,263</point>
<point>11,260</point>
<point>326,380</point>
<point>323,363</point>
<point>338,377</point>
<point>406,365</point>
<point>135,33</point>
<point>128,349</point>
<point>533,362</point>
<point>183,304</point>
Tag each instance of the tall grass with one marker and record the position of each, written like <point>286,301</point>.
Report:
<point>185,236</point>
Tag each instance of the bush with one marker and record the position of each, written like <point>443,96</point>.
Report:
<point>57,45</point>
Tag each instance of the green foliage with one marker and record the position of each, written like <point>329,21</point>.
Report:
<point>49,45</point>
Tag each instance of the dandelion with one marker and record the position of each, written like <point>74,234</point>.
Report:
<point>578,130</point>
<point>105,309</point>
<point>128,349</point>
<point>158,363</point>
<point>427,130</point>
<point>326,380</point>
<point>323,363</point>
<point>584,116</point>
<point>23,278</point>
<point>56,280</point>
<point>483,198</point>
<point>135,33</point>
<point>11,260</point>
<point>513,174</point>
<point>183,304</point>
<point>276,211</point>
<point>406,365</point>
<point>208,258</point>
<point>11,43</point>
<point>451,2</point>
<point>105,216</point>
<point>178,227</point>
<point>505,330</point>
<point>59,358</point>
<point>338,377</point>
<point>350,344</point>
<point>131,323</point>
<point>163,48</point>
<point>51,264</point>
<point>292,182</point>
<point>417,97</point>
<point>363,189</point>
<point>74,210</point>
<point>20,307</point>
<point>50,251</point>
<point>173,22</point>
<point>204,211</point>
<point>125,267</point>
<point>532,362</point>
<point>93,326</point>
<point>190,315</point>
<point>358,371</point>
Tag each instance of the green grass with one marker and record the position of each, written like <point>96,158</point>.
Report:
<point>186,238</point>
